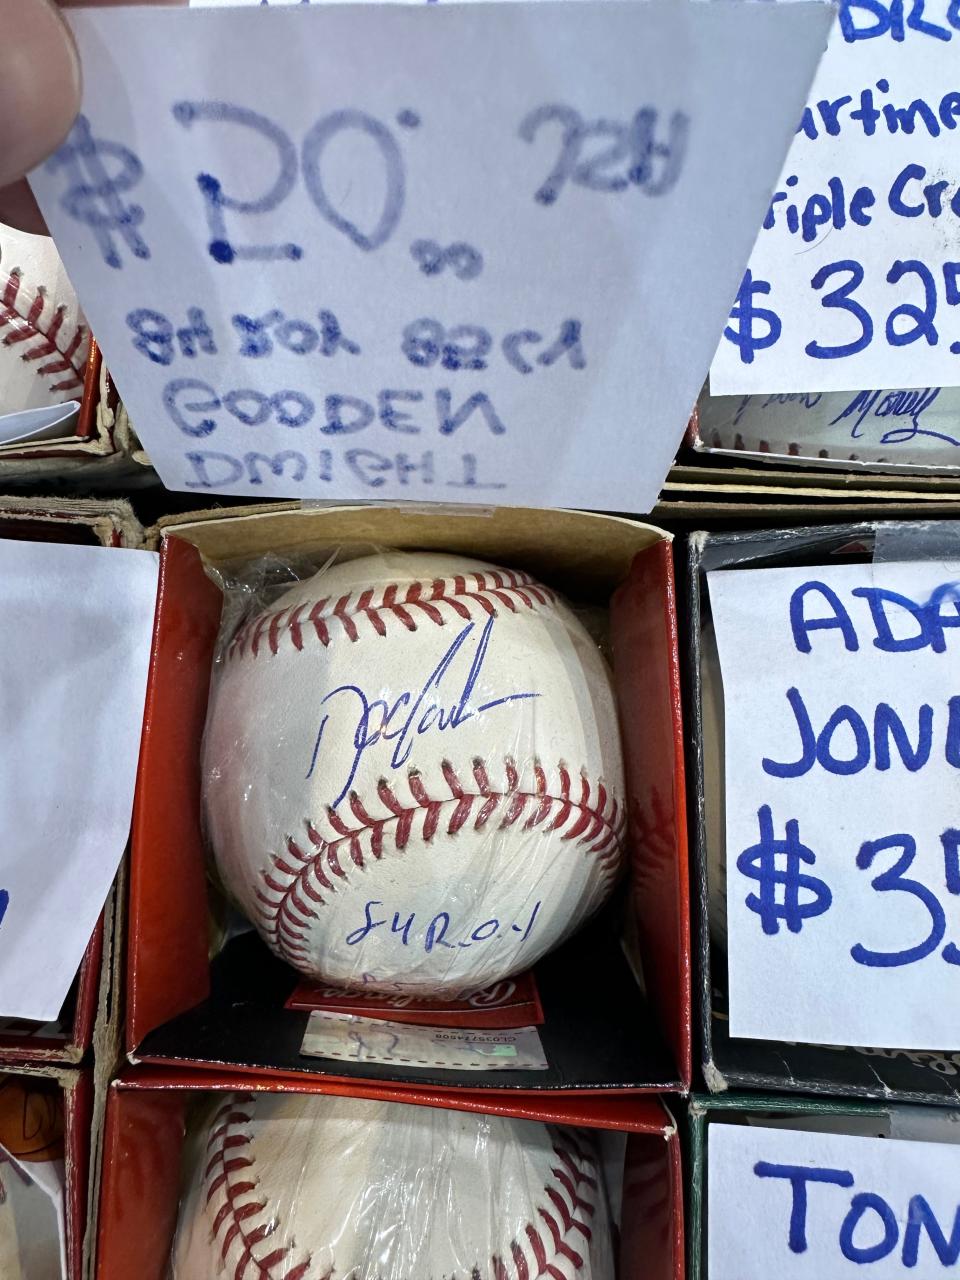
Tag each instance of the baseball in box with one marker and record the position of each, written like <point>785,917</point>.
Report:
<point>416,778</point>
<point>313,1179</point>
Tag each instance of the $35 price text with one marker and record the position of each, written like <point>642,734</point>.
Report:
<point>789,896</point>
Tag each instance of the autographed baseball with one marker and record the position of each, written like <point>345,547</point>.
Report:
<point>44,341</point>
<point>412,773</point>
<point>301,1187</point>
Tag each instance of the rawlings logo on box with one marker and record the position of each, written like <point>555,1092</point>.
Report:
<point>514,1002</point>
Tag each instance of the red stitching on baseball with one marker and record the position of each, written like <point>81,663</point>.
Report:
<point>231,1179</point>
<point>407,604</point>
<point>296,883</point>
<point>239,1213</point>
<point>529,1255</point>
<point>50,339</point>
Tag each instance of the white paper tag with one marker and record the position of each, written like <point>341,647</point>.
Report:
<point>39,424</point>
<point>855,278</point>
<point>353,1039</point>
<point>842,715</point>
<point>75,631</point>
<point>492,270</point>
<point>817,1206</point>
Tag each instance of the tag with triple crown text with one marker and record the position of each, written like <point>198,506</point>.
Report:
<point>841,695</point>
<point>854,281</point>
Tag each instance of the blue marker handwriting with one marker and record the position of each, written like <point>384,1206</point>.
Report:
<point>838,282</point>
<point>896,405</point>
<point>875,117</point>
<point>625,156</point>
<point>806,400</point>
<point>848,741</point>
<point>434,708</point>
<point>883,406</point>
<point>871,1227</point>
<point>895,623</point>
<point>214,469</point>
<point>912,194</point>
<point>876,19</point>
<point>425,342</point>
<point>438,930</point>
<point>789,894</point>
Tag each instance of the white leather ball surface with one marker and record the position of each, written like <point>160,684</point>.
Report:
<point>412,773</point>
<point>303,1187</point>
<point>44,340</point>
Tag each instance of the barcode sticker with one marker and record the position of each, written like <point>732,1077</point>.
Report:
<point>352,1039</point>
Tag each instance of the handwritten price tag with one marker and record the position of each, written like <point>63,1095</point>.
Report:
<point>855,278</point>
<point>465,253</point>
<point>75,630</point>
<point>805,1205</point>
<point>842,721</point>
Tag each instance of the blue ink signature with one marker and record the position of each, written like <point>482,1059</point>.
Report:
<point>435,934</point>
<point>806,400</point>
<point>894,404</point>
<point>422,713</point>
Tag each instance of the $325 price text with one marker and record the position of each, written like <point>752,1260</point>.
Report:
<point>756,325</point>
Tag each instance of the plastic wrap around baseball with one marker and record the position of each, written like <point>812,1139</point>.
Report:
<point>413,780</point>
<point>44,340</point>
<point>301,1186</point>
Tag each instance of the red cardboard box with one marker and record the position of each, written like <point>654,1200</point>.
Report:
<point>76,1093</point>
<point>600,1032</point>
<point>145,1132</point>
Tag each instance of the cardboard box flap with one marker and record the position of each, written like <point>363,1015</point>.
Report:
<point>590,550</point>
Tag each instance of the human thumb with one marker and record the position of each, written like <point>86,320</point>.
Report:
<point>39,84</point>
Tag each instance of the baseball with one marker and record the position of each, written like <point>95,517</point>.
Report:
<point>413,780</point>
<point>44,341</point>
<point>302,1186</point>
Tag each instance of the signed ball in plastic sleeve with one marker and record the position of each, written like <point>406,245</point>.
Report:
<point>413,779</point>
<point>299,1186</point>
